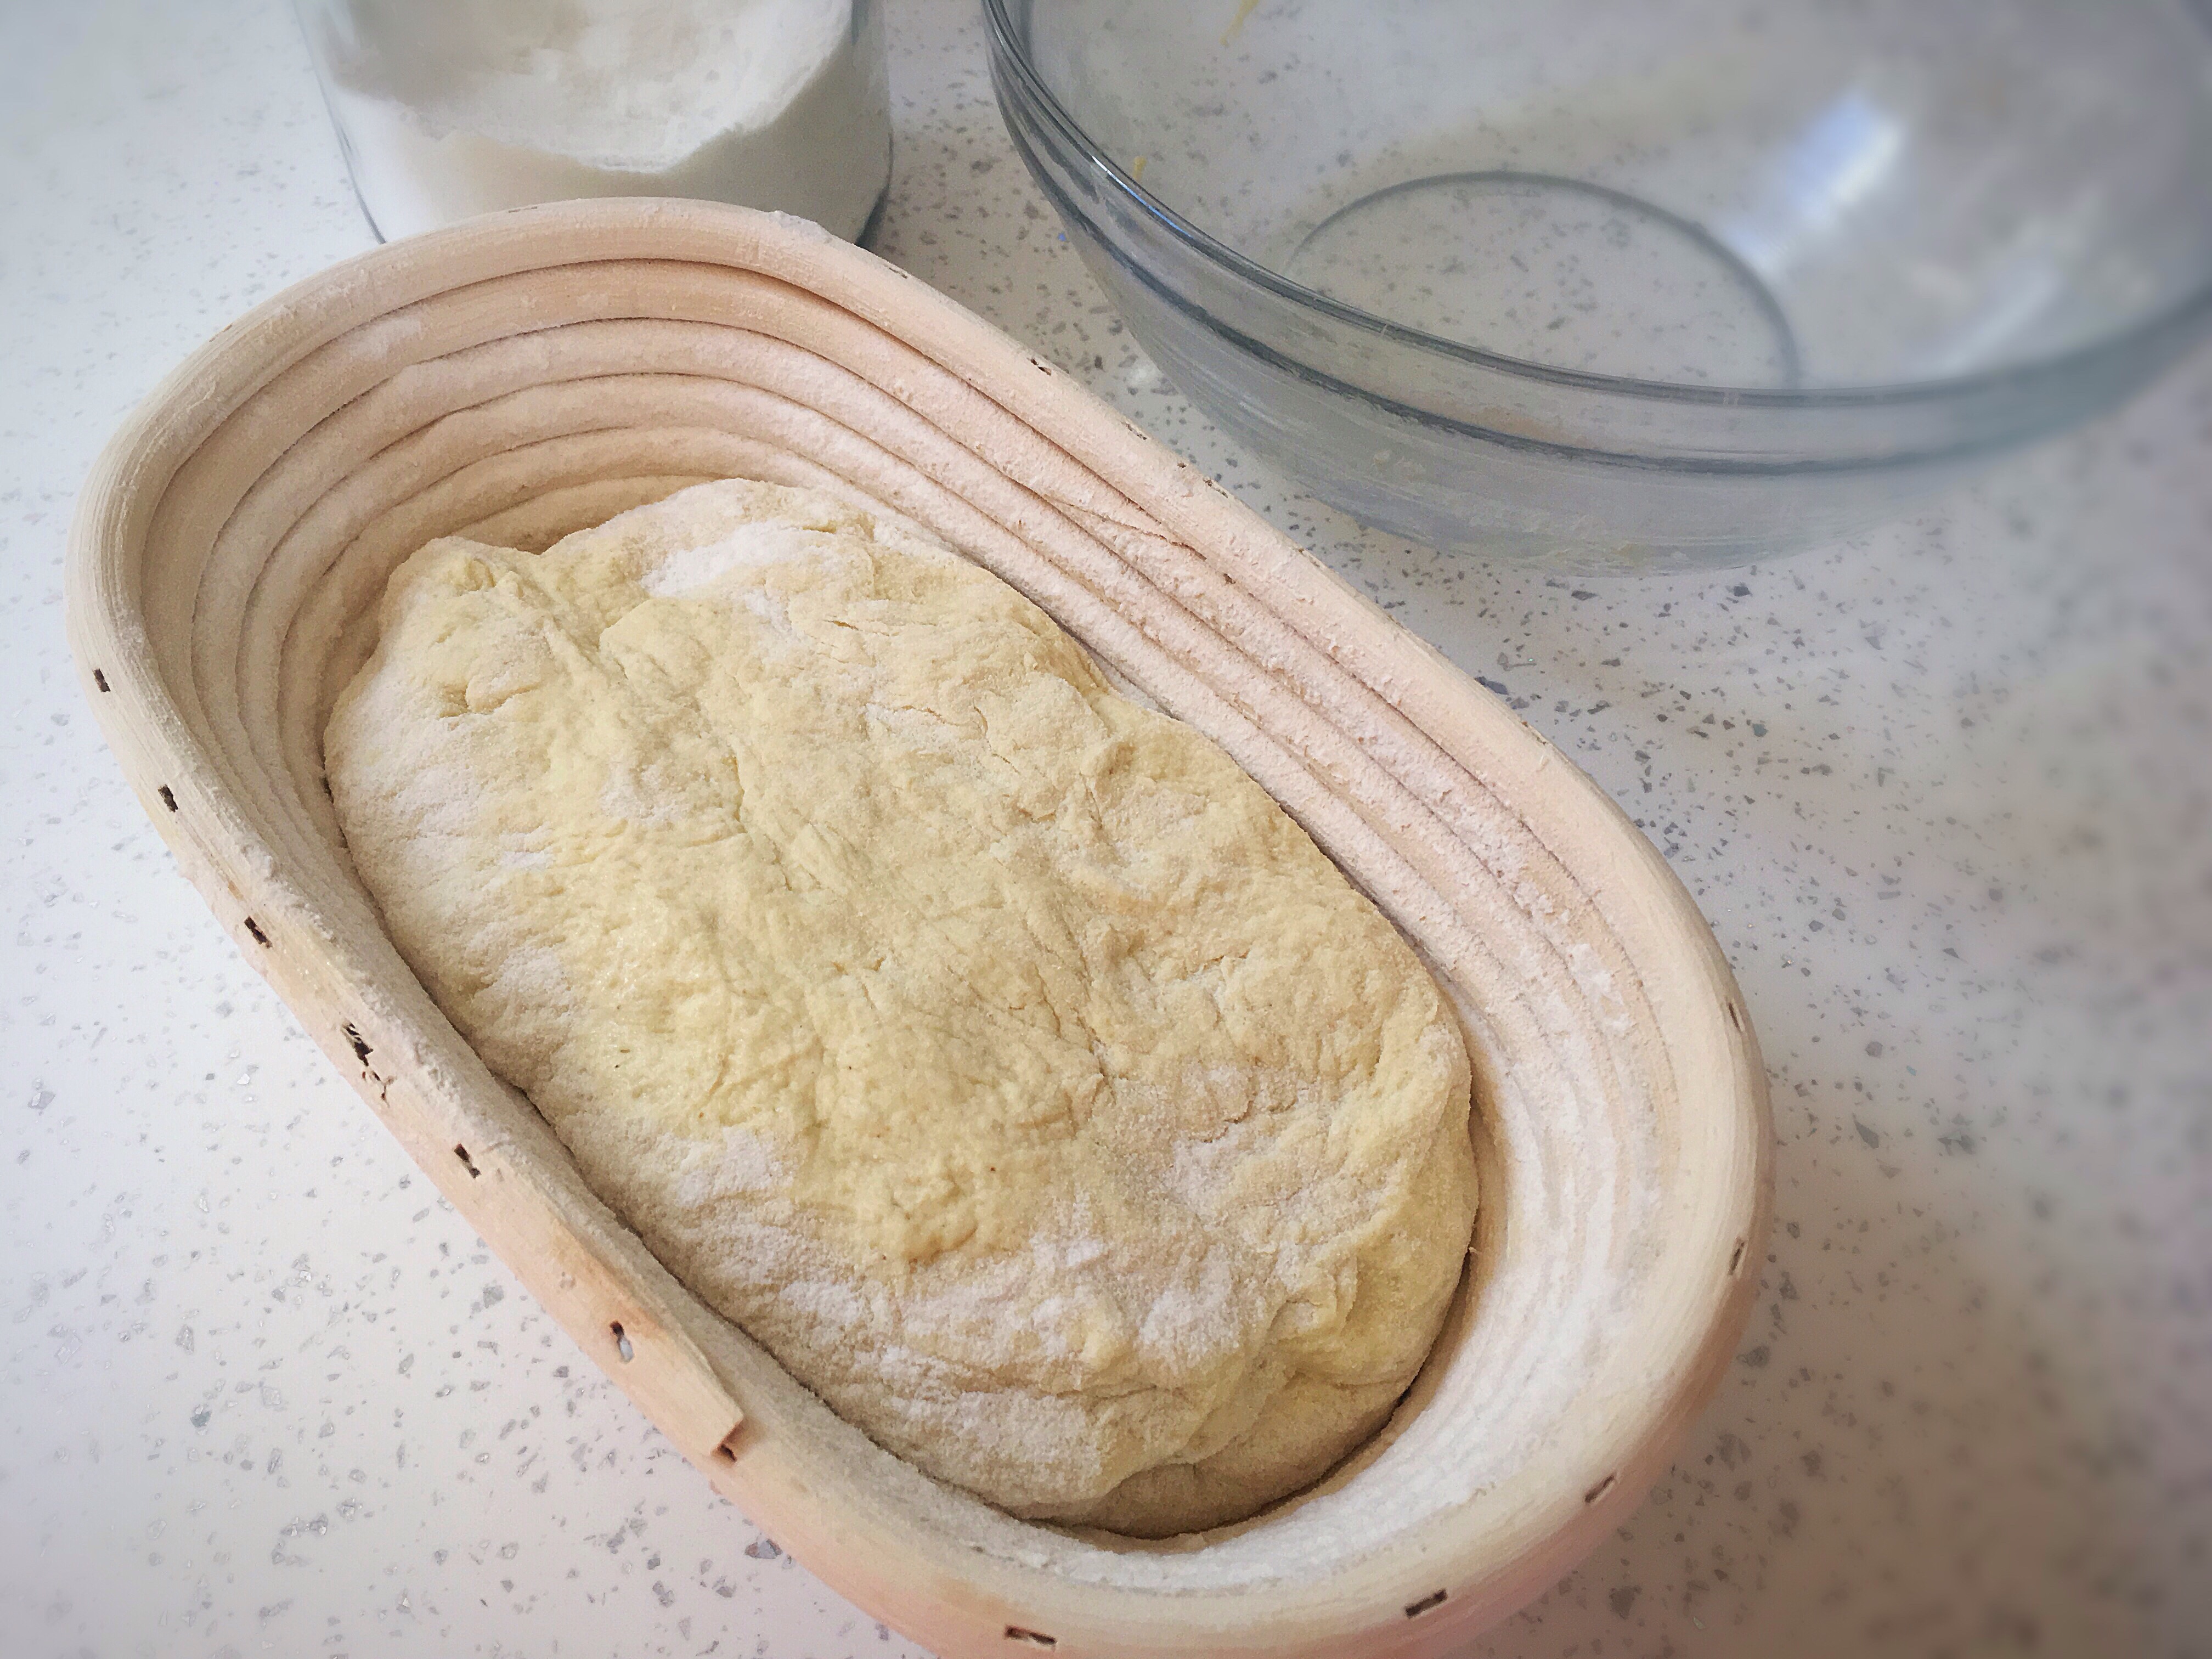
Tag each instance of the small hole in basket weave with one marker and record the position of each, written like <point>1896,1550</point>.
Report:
<point>1035,1638</point>
<point>100,679</point>
<point>1434,1599</point>
<point>168,799</point>
<point>623,1344</point>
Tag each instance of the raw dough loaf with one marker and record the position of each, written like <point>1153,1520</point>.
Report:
<point>991,1048</point>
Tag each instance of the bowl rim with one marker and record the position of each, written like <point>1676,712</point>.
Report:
<point>2191,312</point>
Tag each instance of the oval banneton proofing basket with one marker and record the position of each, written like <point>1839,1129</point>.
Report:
<point>528,374</point>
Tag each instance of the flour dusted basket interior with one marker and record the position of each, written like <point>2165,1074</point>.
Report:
<point>525,374</point>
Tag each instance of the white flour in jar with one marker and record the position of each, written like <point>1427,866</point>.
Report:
<point>449,110</point>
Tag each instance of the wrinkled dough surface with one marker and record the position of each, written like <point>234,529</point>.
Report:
<point>991,1049</point>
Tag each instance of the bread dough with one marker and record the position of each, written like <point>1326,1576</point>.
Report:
<point>991,1048</point>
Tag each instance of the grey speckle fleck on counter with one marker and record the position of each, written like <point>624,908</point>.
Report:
<point>1946,793</point>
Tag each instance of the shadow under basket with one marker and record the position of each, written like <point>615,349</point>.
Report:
<point>529,374</point>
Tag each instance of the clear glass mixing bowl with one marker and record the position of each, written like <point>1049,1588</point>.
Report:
<point>1627,284</point>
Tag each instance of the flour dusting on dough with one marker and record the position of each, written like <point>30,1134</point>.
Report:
<point>991,1048</point>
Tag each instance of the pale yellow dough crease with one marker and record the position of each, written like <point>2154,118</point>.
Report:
<point>991,1048</point>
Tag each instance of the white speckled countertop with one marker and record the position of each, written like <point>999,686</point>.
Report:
<point>1946,793</point>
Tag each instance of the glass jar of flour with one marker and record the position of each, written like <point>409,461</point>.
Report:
<point>447,108</point>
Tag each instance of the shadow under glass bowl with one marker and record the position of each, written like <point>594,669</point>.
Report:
<point>1630,284</point>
